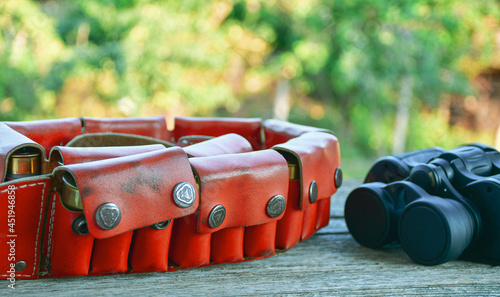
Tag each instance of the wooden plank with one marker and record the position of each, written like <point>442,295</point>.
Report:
<point>335,226</point>
<point>338,199</point>
<point>337,223</point>
<point>322,265</point>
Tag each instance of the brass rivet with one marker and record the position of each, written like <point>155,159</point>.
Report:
<point>184,194</point>
<point>108,216</point>
<point>313,192</point>
<point>20,266</point>
<point>217,216</point>
<point>276,206</point>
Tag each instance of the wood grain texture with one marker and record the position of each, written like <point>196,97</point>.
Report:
<point>329,263</point>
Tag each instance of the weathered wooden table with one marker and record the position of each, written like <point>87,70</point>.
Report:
<point>329,263</point>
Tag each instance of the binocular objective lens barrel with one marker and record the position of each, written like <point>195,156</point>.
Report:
<point>368,216</point>
<point>435,230</point>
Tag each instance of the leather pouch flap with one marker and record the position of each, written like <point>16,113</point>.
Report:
<point>49,133</point>
<point>71,155</point>
<point>12,141</point>
<point>242,183</point>
<point>248,128</point>
<point>277,131</point>
<point>141,186</point>
<point>318,156</point>
<point>155,127</point>
<point>222,145</point>
<point>23,204</point>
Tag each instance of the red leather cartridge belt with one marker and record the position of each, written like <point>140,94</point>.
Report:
<point>103,196</point>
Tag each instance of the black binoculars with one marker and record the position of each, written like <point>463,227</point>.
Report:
<point>445,208</point>
<point>398,167</point>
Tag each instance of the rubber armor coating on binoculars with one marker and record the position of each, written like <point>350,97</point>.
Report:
<point>444,209</point>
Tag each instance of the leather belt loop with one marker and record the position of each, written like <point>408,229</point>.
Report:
<point>154,127</point>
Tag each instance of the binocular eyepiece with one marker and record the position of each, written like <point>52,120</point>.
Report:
<point>442,209</point>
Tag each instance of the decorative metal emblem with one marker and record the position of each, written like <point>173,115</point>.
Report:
<point>313,192</point>
<point>184,194</point>
<point>217,216</point>
<point>276,206</point>
<point>161,225</point>
<point>79,225</point>
<point>108,216</point>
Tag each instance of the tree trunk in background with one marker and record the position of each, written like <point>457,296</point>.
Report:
<point>402,115</point>
<point>497,138</point>
<point>281,107</point>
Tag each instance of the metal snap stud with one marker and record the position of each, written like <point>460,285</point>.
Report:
<point>338,177</point>
<point>217,216</point>
<point>108,216</point>
<point>184,194</point>
<point>313,192</point>
<point>20,266</point>
<point>79,225</point>
<point>161,225</point>
<point>276,206</point>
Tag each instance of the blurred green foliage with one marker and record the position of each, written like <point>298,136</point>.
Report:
<point>344,61</point>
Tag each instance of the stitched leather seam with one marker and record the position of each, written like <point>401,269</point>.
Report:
<point>39,223</point>
<point>51,227</point>
<point>24,186</point>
